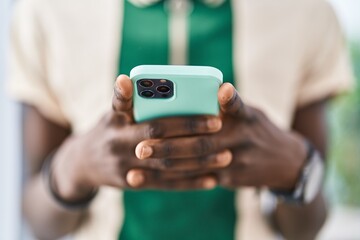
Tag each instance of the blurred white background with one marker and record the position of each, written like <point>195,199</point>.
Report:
<point>343,224</point>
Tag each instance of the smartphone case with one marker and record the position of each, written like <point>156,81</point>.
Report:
<point>195,91</point>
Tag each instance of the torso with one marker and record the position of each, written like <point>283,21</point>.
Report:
<point>83,55</point>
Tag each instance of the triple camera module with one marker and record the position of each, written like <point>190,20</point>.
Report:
<point>155,88</point>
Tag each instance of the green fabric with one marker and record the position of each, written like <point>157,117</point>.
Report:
<point>211,38</point>
<point>157,215</point>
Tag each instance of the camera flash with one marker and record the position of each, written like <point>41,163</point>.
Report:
<point>163,81</point>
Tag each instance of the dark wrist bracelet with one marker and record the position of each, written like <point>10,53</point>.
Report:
<point>71,205</point>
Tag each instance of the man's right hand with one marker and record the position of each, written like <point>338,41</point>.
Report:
<point>106,154</point>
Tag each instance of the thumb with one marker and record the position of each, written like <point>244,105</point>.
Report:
<point>230,101</point>
<point>123,93</point>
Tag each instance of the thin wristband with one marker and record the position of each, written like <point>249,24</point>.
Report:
<point>47,174</point>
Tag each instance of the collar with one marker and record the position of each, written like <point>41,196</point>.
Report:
<point>146,3</point>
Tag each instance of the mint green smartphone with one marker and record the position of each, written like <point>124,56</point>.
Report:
<point>168,90</point>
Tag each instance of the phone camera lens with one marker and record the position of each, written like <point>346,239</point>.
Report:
<point>146,83</point>
<point>163,89</point>
<point>147,94</point>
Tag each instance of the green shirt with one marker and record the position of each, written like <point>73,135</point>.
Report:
<point>154,215</point>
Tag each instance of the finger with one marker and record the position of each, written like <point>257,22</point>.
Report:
<point>196,183</point>
<point>149,179</point>
<point>230,101</point>
<point>186,147</point>
<point>179,126</point>
<point>243,172</point>
<point>241,177</point>
<point>213,161</point>
<point>123,92</point>
<point>135,177</point>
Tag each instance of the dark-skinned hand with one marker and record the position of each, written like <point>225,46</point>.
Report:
<point>105,156</point>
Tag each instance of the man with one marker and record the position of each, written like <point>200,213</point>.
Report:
<point>286,59</point>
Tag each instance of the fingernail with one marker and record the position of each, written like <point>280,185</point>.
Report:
<point>135,178</point>
<point>228,93</point>
<point>123,95</point>
<point>224,158</point>
<point>146,152</point>
<point>122,85</point>
<point>214,123</point>
<point>209,183</point>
